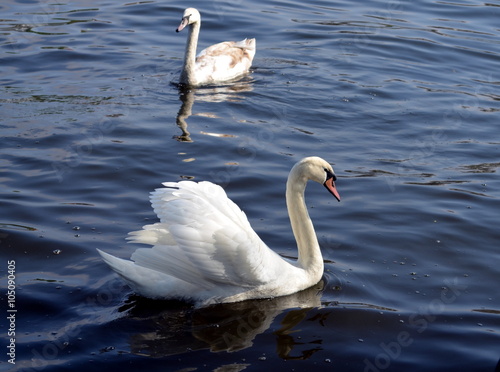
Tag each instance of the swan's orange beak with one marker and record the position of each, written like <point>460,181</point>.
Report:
<point>330,185</point>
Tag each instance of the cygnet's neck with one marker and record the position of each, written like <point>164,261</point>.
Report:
<point>187,75</point>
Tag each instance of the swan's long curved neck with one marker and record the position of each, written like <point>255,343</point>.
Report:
<point>187,74</point>
<point>310,258</point>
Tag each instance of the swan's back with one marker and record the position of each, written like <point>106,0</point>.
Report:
<point>225,61</point>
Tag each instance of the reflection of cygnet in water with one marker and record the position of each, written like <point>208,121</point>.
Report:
<point>223,93</point>
<point>222,327</point>
<point>185,111</point>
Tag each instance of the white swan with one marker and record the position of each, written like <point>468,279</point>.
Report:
<point>220,62</point>
<point>204,249</point>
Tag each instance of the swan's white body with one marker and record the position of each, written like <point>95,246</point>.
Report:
<point>220,62</point>
<point>205,250</point>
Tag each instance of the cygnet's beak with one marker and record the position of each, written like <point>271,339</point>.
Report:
<point>184,23</point>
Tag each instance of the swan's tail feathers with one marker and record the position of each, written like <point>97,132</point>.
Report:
<point>156,233</point>
<point>172,261</point>
<point>120,266</point>
<point>249,47</point>
<point>145,281</point>
<point>247,44</point>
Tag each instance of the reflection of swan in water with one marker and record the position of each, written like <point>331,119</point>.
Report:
<point>223,93</point>
<point>297,325</point>
<point>222,327</point>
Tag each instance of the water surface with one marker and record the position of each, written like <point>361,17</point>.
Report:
<point>402,98</point>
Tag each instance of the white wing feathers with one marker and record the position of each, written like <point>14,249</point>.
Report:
<point>204,239</point>
<point>152,234</point>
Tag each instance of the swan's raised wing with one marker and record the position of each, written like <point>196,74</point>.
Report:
<point>204,239</point>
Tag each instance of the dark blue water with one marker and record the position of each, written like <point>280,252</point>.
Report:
<point>402,97</point>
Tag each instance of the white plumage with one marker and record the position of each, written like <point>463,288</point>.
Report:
<point>220,62</point>
<point>205,250</point>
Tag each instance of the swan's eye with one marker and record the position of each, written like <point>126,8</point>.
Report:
<point>329,174</point>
